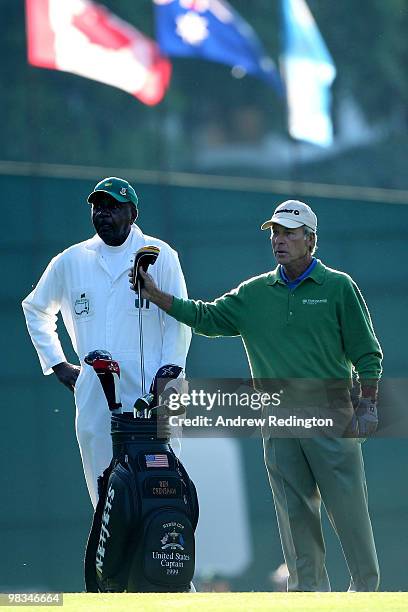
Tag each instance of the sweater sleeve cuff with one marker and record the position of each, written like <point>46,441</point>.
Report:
<point>175,307</point>
<point>369,381</point>
<point>370,390</point>
<point>183,311</point>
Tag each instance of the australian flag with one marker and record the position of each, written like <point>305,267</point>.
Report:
<point>213,30</point>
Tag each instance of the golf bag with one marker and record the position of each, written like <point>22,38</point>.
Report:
<point>142,535</point>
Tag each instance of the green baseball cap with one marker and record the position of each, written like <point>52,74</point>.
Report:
<point>118,188</point>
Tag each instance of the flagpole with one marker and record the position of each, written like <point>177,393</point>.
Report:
<point>33,158</point>
<point>164,190</point>
<point>292,169</point>
<point>296,153</point>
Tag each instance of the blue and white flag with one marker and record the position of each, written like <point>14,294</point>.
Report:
<point>308,71</point>
<point>212,30</point>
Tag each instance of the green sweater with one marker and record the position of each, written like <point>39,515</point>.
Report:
<point>319,330</point>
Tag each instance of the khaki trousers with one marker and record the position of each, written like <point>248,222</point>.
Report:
<point>302,473</point>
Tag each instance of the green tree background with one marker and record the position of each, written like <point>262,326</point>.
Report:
<point>52,116</point>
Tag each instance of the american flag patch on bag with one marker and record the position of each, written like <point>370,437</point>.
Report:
<point>157,461</point>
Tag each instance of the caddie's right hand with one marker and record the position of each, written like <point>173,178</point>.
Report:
<point>67,374</point>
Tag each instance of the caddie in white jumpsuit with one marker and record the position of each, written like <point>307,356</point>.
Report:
<point>88,283</point>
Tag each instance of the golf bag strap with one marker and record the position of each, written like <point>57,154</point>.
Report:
<point>195,508</point>
<point>91,583</point>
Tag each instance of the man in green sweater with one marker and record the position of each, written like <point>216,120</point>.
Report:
<point>304,320</point>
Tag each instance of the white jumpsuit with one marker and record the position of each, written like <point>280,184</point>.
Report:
<point>99,312</point>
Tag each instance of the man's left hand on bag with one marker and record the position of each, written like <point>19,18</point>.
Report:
<point>67,374</point>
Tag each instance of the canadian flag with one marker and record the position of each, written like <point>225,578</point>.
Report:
<point>84,38</point>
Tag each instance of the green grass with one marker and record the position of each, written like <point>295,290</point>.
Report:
<point>245,602</point>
